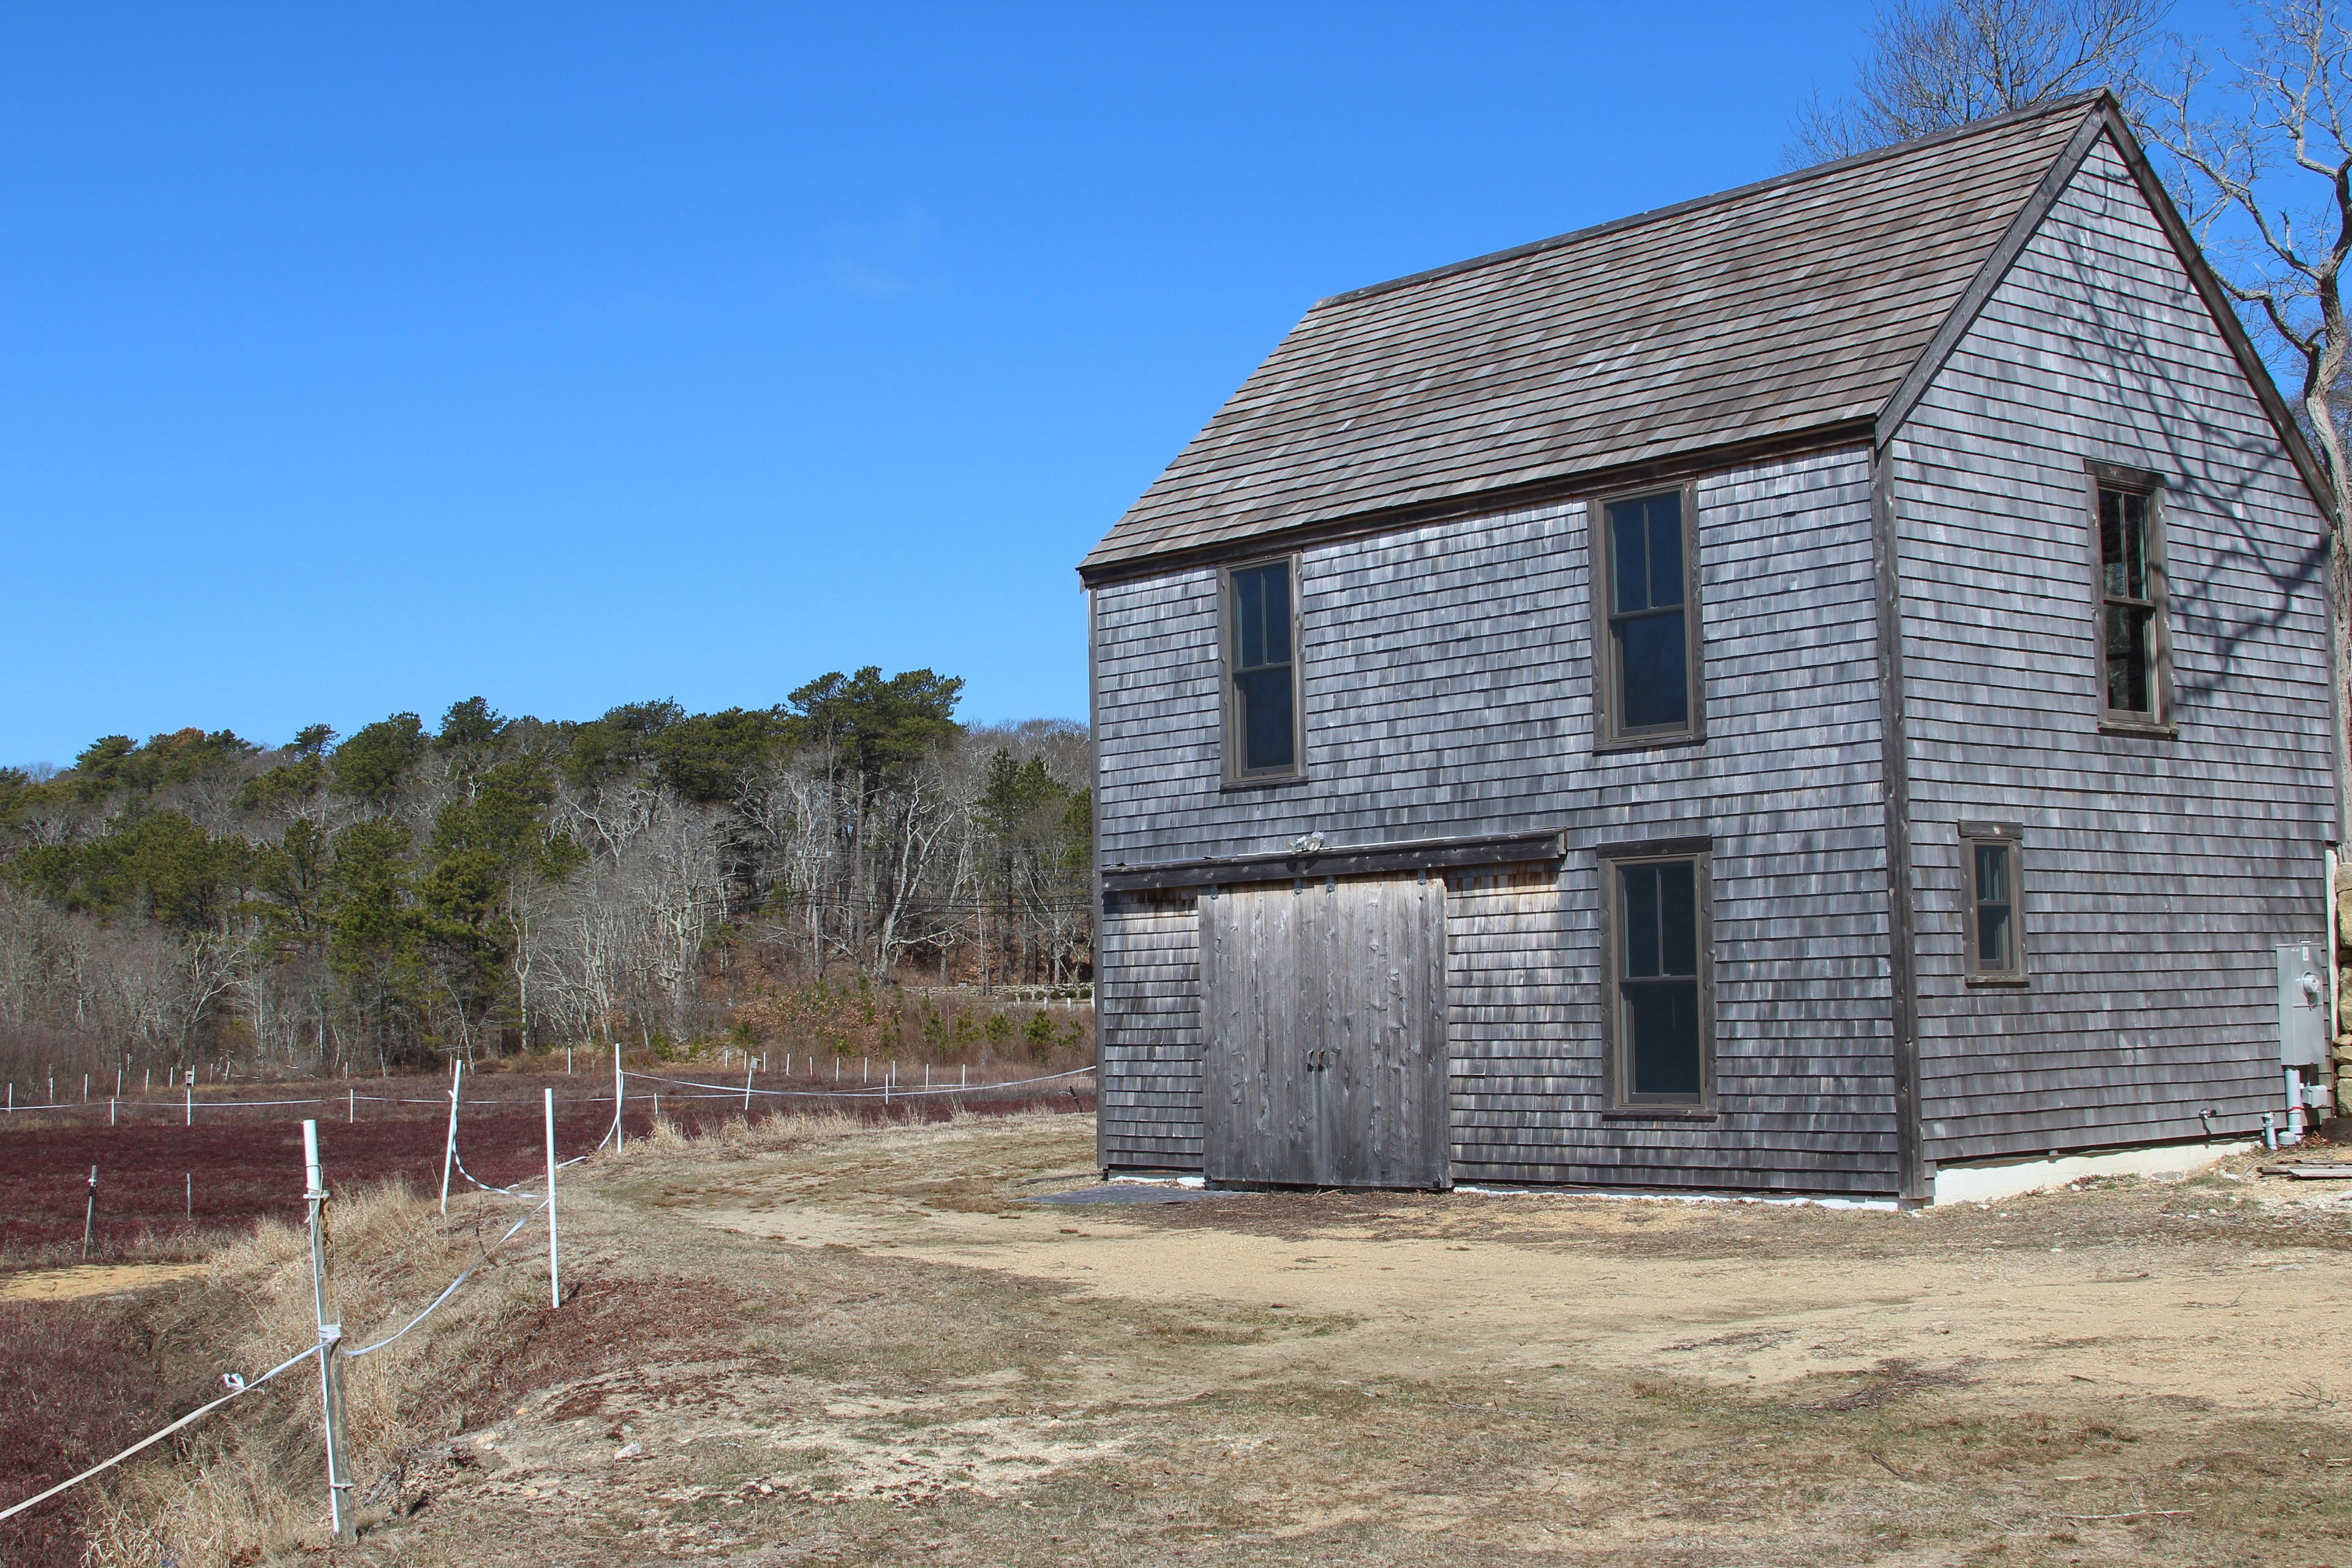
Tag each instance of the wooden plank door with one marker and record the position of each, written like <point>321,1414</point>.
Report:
<point>1324,1008</point>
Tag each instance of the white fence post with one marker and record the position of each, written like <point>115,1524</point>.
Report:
<point>620,1103</point>
<point>554,1273</point>
<point>330,1334</point>
<point>449,1149</point>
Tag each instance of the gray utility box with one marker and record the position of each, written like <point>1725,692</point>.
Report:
<point>2303,1004</point>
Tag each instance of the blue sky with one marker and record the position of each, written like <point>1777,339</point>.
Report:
<point>364,358</point>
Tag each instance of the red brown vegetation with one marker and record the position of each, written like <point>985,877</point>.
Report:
<point>80,1382</point>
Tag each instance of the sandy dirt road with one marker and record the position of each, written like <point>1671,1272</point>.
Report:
<point>878,1347</point>
<point>1735,1294</point>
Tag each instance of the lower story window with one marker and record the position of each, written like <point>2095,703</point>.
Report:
<point>1659,1002</point>
<point>1995,933</point>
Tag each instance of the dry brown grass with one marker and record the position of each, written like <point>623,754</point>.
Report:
<point>238,1491</point>
<point>244,1488</point>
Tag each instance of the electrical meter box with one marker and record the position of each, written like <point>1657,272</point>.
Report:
<point>2303,1004</point>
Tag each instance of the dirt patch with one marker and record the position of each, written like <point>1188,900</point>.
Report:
<point>91,1279</point>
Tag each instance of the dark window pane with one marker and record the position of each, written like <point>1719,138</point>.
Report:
<point>1677,919</point>
<point>1665,550</point>
<point>1653,665</point>
<point>1629,555</point>
<point>1266,729</point>
<point>1662,1042</point>
<point>1661,913</point>
<point>2135,583</point>
<point>1641,906</point>
<point>1992,937</point>
<point>1262,615</point>
<point>2122,544</point>
<point>1993,874</point>
<point>2127,658</point>
<point>1645,553</point>
<point>1995,901</point>
<point>2111,541</point>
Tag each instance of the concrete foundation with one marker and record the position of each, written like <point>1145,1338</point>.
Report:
<point>1997,1179</point>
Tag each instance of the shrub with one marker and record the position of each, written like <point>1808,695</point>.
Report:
<point>1041,1034</point>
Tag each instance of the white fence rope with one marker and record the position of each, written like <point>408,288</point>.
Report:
<point>434,1305</point>
<point>719,1092</point>
<point>876,1092</point>
<point>237,1387</point>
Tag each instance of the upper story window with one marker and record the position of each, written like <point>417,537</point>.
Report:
<point>1262,709</point>
<point>1646,632</point>
<point>2135,663</point>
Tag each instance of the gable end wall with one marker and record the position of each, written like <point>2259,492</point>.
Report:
<point>2159,873</point>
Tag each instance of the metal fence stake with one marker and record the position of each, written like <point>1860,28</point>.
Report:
<point>89,1214</point>
<point>330,1334</point>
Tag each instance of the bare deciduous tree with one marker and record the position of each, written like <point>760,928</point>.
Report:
<point>2260,155</point>
<point>1937,64</point>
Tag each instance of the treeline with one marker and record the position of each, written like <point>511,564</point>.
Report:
<point>497,884</point>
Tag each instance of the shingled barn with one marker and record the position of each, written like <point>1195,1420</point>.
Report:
<point>1795,692</point>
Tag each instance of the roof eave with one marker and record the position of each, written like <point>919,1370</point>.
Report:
<point>1097,572</point>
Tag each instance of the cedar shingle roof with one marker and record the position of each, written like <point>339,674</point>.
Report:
<point>1764,311</point>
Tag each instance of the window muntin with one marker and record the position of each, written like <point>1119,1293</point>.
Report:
<point>1644,585</point>
<point>2131,605</point>
<point>1659,998</point>
<point>1994,932</point>
<point>1262,733</point>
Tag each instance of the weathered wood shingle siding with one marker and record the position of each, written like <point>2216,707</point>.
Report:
<point>1148,1032</point>
<point>1447,675</point>
<point>2159,873</point>
<point>1787,787</point>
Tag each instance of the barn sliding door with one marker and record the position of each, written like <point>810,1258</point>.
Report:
<point>1324,1015</point>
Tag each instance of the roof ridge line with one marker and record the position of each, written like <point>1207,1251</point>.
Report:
<point>1794,176</point>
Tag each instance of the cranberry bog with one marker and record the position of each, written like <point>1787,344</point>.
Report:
<point>175,1171</point>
